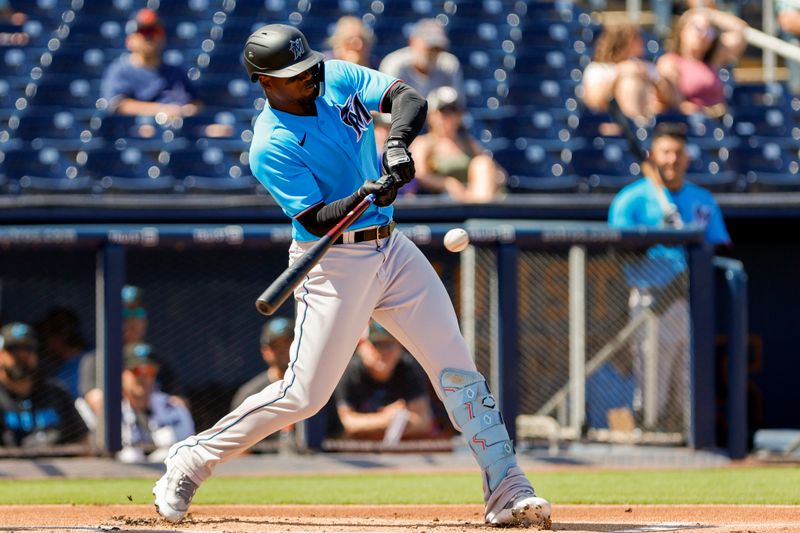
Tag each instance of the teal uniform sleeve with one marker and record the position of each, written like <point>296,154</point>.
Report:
<point>371,85</point>
<point>620,213</point>
<point>289,182</point>
<point>716,232</point>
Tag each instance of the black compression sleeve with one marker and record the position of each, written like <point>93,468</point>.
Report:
<point>408,109</point>
<point>319,220</point>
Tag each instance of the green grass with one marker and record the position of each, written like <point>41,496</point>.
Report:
<point>720,486</point>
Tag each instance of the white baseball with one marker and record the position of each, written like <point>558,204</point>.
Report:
<point>456,239</point>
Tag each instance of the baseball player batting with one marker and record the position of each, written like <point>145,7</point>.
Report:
<point>314,150</point>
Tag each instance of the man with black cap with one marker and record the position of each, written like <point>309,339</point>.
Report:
<point>140,83</point>
<point>33,411</point>
<point>152,420</point>
<point>276,339</point>
<point>425,64</point>
<point>383,386</point>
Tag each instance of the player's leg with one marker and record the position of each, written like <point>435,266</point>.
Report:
<point>333,306</point>
<point>417,310</point>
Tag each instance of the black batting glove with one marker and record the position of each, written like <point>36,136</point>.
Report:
<point>384,189</point>
<point>397,161</point>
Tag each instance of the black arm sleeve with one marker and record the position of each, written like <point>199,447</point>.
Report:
<point>408,109</point>
<point>320,219</point>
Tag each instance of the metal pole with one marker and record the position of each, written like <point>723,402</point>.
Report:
<point>468,273</point>
<point>701,355</point>
<point>768,23</point>
<point>109,278</point>
<point>650,400</point>
<point>507,339</point>
<point>577,337</point>
<point>736,281</point>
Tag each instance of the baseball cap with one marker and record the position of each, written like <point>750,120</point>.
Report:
<point>275,329</point>
<point>17,334</point>
<point>378,333</point>
<point>147,22</point>
<point>138,354</point>
<point>443,97</point>
<point>431,32</point>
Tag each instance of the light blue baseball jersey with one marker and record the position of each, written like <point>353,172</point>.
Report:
<point>637,205</point>
<point>306,160</point>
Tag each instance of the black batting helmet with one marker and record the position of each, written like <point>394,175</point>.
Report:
<point>278,50</point>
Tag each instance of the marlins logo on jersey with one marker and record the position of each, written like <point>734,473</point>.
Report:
<point>355,114</point>
<point>296,47</point>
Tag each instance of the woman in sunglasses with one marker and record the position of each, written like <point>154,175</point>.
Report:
<point>703,41</point>
<point>449,160</point>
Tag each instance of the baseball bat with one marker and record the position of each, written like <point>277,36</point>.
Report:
<point>280,289</point>
<point>671,215</point>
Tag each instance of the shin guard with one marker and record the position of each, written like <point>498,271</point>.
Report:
<point>473,410</point>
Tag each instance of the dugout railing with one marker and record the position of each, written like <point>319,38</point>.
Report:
<point>527,294</point>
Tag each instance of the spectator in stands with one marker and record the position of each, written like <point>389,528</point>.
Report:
<point>703,41</point>
<point>134,329</point>
<point>63,347</point>
<point>789,22</point>
<point>618,71</point>
<point>425,63</point>
<point>34,411</point>
<point>352,41</point>
<point>139,83</point>
<point>152,420</point>
<point>658,284</point>
<point>449,160</point>
<point>383,391</point>
<point>12,32</point>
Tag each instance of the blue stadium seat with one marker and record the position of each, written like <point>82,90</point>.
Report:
<point>18,62</point>
<point>210,170</point>
<point>543,93</point>
<point>771,94</point>
<point>119,9</point>
<point>537,63</point>
<point>259,9</point>
<point>225,60</point>
<point>766,125</point>
<point>187,9</point>
<point>472,11</point>
<point>538,127</point>
<point>224,130</point>
<point>711,168</point>
<point>531,160</point>
<point>47,11</point>
<point>768,167</point>
<point>407,9</point>
<point>128,170</point>
<point>234,93</point>
<point>97,32</point>
<point>552,36</point>
<point>75,94</point>
<point>183,34</point>
<point>141,132</point>
<point>235,31</point>
<point>61,130</point>
<point>46,170</point>
<point>608,167</point>
<point>69,62</point>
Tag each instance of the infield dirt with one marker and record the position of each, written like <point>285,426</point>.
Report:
<point>433,518</point>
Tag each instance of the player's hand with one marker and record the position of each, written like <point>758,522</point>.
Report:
<point>397,161</point>
<point>384,189</point>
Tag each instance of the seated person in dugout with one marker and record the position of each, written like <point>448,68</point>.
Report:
<point>34,411</point>
<point>383,391</point>
<point>152,420</point>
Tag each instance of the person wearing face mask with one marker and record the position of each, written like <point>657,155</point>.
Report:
<point>703,41</point>
<point>34,411</point>
<point>425,64</point>
<point>140,83</point>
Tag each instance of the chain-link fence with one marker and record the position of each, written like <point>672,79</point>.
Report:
<point>620,370</point>
<point>603,340</point>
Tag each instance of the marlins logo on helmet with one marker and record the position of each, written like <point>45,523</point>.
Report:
<point>296,47</point>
